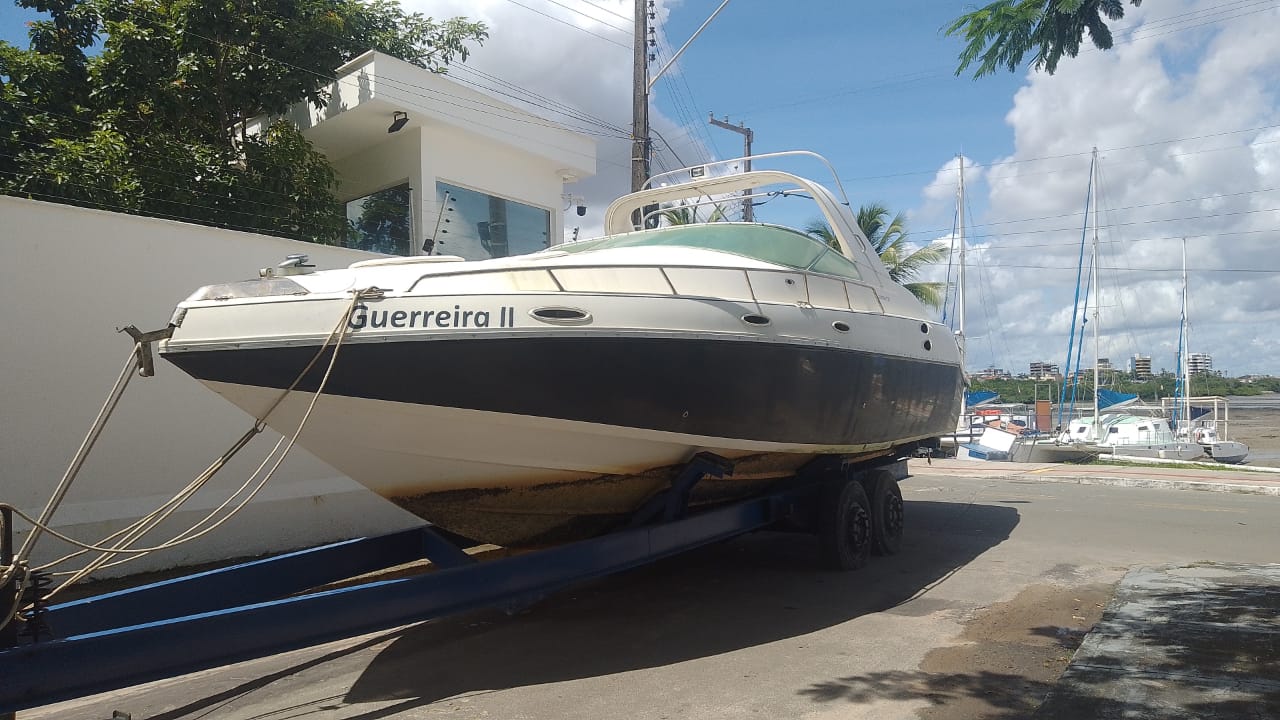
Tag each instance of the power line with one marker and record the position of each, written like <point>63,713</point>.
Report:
<point>605,9</point>
<point>626,32</point>
<point>569,24</point>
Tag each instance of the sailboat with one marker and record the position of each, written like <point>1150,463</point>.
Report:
<point>1120,433</point>
<point>986,430</point>
<point>1201,430</point>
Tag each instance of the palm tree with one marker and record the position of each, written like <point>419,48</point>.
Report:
<point>685,214</point>
<point>1000,34</point>
<point>889,239</point>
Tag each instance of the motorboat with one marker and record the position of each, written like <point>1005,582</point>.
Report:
<point>539,398</point>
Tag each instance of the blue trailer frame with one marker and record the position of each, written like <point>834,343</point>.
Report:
<point>250,610</point>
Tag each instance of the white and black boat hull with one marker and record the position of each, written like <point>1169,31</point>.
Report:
<point>541,438</point>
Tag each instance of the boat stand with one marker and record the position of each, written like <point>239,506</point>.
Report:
<point>268,606</point>
<point>263,607</point>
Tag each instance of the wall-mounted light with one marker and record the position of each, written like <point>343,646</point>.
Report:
<point>398,120</point>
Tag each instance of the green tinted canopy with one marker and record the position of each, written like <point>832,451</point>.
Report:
<point>766,243</point>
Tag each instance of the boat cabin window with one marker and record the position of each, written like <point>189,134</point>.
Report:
<point>477,226</point>
<point>771,244</point>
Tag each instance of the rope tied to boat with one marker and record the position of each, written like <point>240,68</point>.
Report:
<point>19,570</point>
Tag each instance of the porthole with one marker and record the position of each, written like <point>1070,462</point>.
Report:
<point>840,326</point>
<point>928,344</point>
<point>758,320</point>
<point>561,315</point>
<point>924,328</point>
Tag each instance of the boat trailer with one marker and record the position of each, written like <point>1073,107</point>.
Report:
<point>268,606</point>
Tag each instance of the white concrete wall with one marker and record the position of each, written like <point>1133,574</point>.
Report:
<point>71,276</point>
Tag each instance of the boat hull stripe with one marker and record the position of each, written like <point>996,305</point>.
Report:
<point>756,391</point>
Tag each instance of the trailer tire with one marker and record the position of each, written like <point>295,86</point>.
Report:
<point>887,514</point>
<point>845,525</point>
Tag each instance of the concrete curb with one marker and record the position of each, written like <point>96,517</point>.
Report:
<point>1162,483</point>
<point>1161,478</point>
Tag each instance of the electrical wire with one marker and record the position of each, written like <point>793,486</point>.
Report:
<point>569,24</point>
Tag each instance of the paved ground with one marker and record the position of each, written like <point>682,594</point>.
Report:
<point>1182,643</point>
<point>998,582</point>
<point>1264,481</point>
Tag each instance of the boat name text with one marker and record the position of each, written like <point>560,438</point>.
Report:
<point>362,317</point>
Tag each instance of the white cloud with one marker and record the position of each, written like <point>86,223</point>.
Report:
<point>1213,89</point>
<point>577,56</point>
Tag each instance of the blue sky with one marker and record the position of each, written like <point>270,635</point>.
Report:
<point>1185,111</point>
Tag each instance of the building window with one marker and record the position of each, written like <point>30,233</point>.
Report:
<point>381,221</point>
<point>477,226</point>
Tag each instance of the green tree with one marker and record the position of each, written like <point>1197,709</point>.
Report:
<point>155,122</point>
<point>888,237</point>
<point>1000,34</point>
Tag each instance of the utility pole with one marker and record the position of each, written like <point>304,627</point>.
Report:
<point>748,212</point>
<point>642,84</point>
<point>640,98</point>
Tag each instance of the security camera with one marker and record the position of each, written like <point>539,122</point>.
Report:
<point>582,210</point>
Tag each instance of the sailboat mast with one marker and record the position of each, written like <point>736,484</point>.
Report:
<point>960,287</point>
<point>1186,345</point>
<point>960,284</point>
<point>1097,421</point>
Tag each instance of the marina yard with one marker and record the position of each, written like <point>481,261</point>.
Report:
<point>998,581</point>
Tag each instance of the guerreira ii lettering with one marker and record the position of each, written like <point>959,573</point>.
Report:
<point>457,317</point>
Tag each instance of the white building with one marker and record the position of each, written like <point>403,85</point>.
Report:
<point>1199,363</point>
<point>476,177</point>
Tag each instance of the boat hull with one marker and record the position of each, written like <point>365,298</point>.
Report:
<point>1226,451</point>
<point>528,440</point>
<point>1052,452</point>
<point>1161,451</point>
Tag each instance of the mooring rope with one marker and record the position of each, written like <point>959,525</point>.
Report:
<point>127,536</point>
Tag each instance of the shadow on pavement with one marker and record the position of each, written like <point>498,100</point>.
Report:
<point>753,590</point>
<point>1185,642</point>
<point>1006,694</point>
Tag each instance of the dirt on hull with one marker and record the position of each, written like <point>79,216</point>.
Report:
<point>555,513</point>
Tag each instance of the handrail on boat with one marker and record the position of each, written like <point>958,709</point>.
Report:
<point>658,212</point>
<point>753,158</point>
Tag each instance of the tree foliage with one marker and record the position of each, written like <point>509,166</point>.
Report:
<point>887,234</point>
<point>1150,390</point>
<point>154,120</point>
<point>1000,34</point>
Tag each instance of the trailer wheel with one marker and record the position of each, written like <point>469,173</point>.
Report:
<point>887,515</point>
<point>845,526</point>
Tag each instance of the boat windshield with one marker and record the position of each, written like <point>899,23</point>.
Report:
<point>771,244</point>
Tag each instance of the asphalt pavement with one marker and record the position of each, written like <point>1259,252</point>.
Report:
<point>1178,642</point>
<point>1002,575</point>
